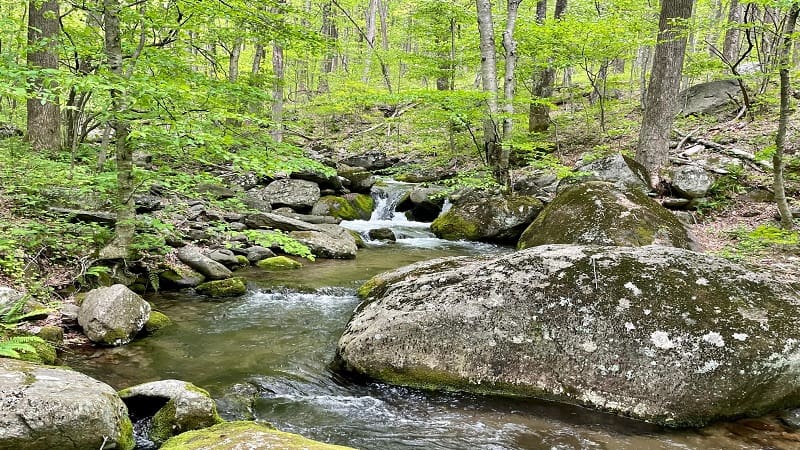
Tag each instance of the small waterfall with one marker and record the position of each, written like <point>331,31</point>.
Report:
<point>386,200</point>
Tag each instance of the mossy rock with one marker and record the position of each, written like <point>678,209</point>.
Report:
<point>243,261</point>
<point>156,322</point>
<point>492,218</point>
<point>51,334</point>
<point>602,213</point>
<point>347,207</point>
<point>180,276</point>
<point>243,435</point>
<point>45,353</point>
<point>279,263</point>
<point>230,287</point>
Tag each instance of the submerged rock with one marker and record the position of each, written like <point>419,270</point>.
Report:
<point>597,212</point>
<point>113,315</point>
<point>156,322</point>
<point>176,406</point>
<point>45,408</point>
<point>244,435</point>
<point>231,287</point>
<point>278,263</point>
<point>660,334</point>
<point>492,218</point>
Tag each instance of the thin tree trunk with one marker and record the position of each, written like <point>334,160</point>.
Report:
<point>539,113</point>
<point>371,31</point>
<point>233,63</point>
<point>492,145</point>
<point>124,228</point>
<point>730,46</point>
<point>44,114</point>
<point>331,33</point>
<point>778,162</point>
<point>660,107</point>
<point>509,81</point>
<point>277,92</point>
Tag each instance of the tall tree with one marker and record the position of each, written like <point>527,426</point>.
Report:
<point>778,162</point>
<point>125,225</point>
<point>44,115</point>
<point>661,102</point>
<point>509,80</point>
<point>539,113</point>
<point>492,146</point>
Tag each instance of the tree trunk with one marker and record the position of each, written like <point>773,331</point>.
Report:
<point>538,113</point>
<point>730,46</point>
<point>371,31</point>
<point>510,48</point>
<point>277,92</point>
<point>233,63</point>
<point>492,146</point>
<point>44,115</point>
<point>332,34</point>
<point>124,228</point>
<point>778,162</point>
<point>662,93</point>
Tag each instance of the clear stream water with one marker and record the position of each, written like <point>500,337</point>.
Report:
<point>265,356</point>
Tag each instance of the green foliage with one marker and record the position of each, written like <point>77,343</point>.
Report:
<point>724,189</point>
<point>762,240</point>
<point>14,346</point>
<point>276,238</point>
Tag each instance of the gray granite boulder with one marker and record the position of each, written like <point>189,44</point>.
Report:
<point>691,181</point>
<point>299,195</point>
<point>488,218</point>
<point>113,315</point>
<point>211,269</point>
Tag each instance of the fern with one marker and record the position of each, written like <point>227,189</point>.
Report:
<point>13,314</point>
<point>13,347</point>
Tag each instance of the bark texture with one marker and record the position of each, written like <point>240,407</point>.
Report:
<point>491,136</point>
<point>778,163</point>
<point>44,115</point>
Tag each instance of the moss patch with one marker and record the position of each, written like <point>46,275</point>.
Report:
<point>156,322</point>
<point>230,287</point>
<point>347,207</point>
<point>233,435</point>
<point>279,263</point>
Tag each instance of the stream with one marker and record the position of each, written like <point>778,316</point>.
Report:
<point>265,356</point>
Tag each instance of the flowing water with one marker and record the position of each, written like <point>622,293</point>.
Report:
<point>265,356</point>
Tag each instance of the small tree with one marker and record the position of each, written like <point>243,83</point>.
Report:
<point>778,162</point>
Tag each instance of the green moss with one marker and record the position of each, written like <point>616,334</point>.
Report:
<point>452,226</point>
<point>243,261</point>
<point>232,435</point>
<point>372,286</point>
<point>126,441</point>
<point>279,263</point>
<point>52,334</point>
<point>348,207</point>
<point>164,423</point>
<point>156,322</point>
<point>230,287</point>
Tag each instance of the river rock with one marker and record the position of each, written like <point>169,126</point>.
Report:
<point>46,408</point>
<point>708,98</point>
<point>277,222</point>
<point>299,195</point>
<point>372,160</point>
<point>244,435</point>
<point>176,406</point>
<point>229,287</point>
<point>224,257</point>
<point>211,269</point>
<point>382,234</point>
<point>346,207</point>
<point>179,276</point>
<point>491,218</point>
<point>323,180</point>
<point>356,179</point>
<point>616,168</point>
<point>598,212</point>
<point>659,334</point>
<point>422,204</point>
<point>333,242</point>
<point>113,315</point>
<point>691,181</point>
<point>277,263</point>
<point>256,253</point>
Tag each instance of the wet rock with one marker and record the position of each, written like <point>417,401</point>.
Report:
<point>45,408</point>
<point>333,242</point>
<point>230,287</point>
<point>211,269</point>
<point>156,322</point>
<point>113,315</point>
<point>791,417</point>
<point>224,257</point>
<point>244,435</point>
<point>382,234</point>
<point>655,333</point>
<point>256,253</point>
<point>299,195</point>
<point>691,181</point>
<point>216,191</point>
<point>602,213</point>
<point>278,263</point>
<point>323,180</point>
<point>617,169</point>
<point>709,98</point>
<point>356,179</point>
<point>422,204</point>
<point>489,218</point>
<point>309,218</point>
<point>277,222</point>
<point>176,406</point>
<point>372,161</point>
<point>346,207</point>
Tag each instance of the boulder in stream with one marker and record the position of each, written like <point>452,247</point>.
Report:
<point>244,435</point>
<point>113,315</point>
<point>276,263</point>
<point>490,218</point>
<point>346,207</point>
<point>46,408</point>
<point>333,242</point>
<point>229,287</point>
<point>660,334</point>
<point>175,407</point>
<point>211,269</point>
<point>299,195</point>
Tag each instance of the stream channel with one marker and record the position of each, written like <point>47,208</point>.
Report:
<point>265,356</point>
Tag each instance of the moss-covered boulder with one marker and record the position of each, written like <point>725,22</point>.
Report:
<point>176,406</point>
<point>242,436</point>
<point>279,263</point>
<point>598,212</point>
<point>45,408</point>
<point>346,207</point>
<point>356,179</point>
<point>491,218</point>
<point>231,287</point>
<point>660,334</point>
<point>156,322</point>
<point>179,276</point>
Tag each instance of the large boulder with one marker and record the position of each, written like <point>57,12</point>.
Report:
<point>691,181</point>
<point>332,241</point>
<point>616,168</point>
<point>211,269</point>
<point>45,408</point>
<point>346,207</point>
<point>176,406</point>
<point>371,160</point>
<point>597,212</point>
<point>356,179</point>
<point>244,435</point>
<point>229,287</point>
<point>277,222</point>
<point>491,218</point>
<point>708,98</point>
<point>113,315</point>
<point>656,333</point>
<point>299,195</point>
<point>422,204</point>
